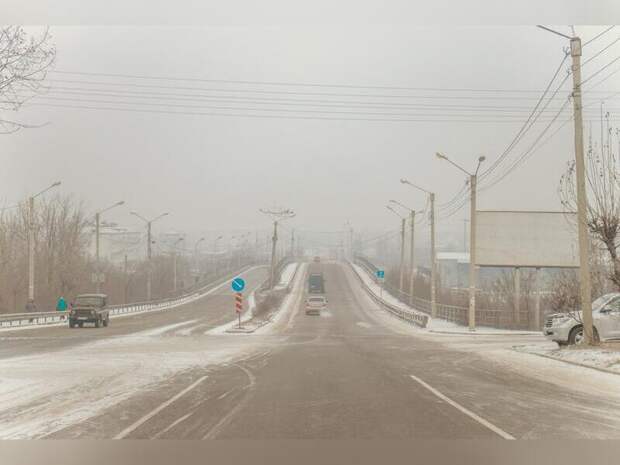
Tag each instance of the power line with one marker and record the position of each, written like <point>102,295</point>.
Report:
<point>600,52</point>
<point>600,70</point>
<point>598,35</point>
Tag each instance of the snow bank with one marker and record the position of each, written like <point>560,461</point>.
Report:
<point>605,358</point>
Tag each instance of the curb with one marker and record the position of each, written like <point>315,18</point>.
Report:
<point>569,362</point>
<point>475,333</point>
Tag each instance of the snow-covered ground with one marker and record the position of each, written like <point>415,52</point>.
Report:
<point>43,393</point>
<point>285,308</point>
<point>287,275</point>
<point>606,357</point>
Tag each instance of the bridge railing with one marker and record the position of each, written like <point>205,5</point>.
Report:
<point>460,315</point>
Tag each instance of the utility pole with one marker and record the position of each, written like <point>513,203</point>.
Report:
<point>402,255</point>
<point>149,274</point>
<point>97,260</point>
<point>274,242</point>
<point>174,258</point>
<point>472,254</point>
<point>473,179</point>
<point>584,255</point>
<point>433,260</point>
<point>431,196</point>
<point>403,220</point>
<point>31,244</point>
<point>277,214</point>
<point>125,272</point>
<point>97,241</point>
<point>31,250</point>
<point>148,249</point>
<point>582,202</point>
<point>292,242</point>
<point>412,257</point>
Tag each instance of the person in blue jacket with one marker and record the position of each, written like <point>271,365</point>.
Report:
<point>61,306</point>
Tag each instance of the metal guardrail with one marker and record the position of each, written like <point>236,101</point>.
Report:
<point>484,317</point>
<point>43,318</point>
<point>412,317</point>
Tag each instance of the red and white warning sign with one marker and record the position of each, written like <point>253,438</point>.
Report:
<point>238,302</point>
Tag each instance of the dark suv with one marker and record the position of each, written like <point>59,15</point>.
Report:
<point>89,308</point>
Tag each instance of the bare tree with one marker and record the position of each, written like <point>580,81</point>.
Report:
<point>603,215</point>
<point>24,62</point>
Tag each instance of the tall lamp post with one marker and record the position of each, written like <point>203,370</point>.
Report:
<point>401,268</point>
<point>97,237</point>
<point>411,247</point>
<point>196,261</point>
<point>215,256</point>
<point>149,248</point>
<point>277,215</point>
<point>174,257</point>
<point>31,245</point>
<point>473,180</point>
<point>431,196</point>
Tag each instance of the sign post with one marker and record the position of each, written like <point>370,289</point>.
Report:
<point>238,284</point>
<point>381,278</point>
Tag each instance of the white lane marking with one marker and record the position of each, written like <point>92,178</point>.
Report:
<point>363,324</point>
<point>462,409</point>
<point>172,425</point>
<point>213,432</point>
<point>163,329</point>
<point>154,412</point>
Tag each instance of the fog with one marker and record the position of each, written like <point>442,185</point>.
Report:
<point>214,173</point>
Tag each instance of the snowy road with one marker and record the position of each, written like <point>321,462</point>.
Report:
<point>353,372</point>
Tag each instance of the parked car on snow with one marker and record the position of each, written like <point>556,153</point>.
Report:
<point>90,308</point>
<point>567,328</point>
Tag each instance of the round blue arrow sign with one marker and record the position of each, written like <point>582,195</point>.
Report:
<point>238,284</point>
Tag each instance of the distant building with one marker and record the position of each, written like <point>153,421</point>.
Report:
<point>453,268</point>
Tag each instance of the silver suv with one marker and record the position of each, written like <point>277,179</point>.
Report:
<point>567,328</point>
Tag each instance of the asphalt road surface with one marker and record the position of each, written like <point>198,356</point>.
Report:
<point>352,373</point>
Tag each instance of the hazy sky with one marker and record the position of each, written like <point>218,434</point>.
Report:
<point>215,172</point>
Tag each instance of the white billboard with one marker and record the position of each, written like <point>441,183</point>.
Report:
<point>526,239</point>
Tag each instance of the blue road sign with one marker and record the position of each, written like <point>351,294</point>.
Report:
<point>238,284</point>
<point>380,274</point>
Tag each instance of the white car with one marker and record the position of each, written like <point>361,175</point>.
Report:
<point>315,303</point>
<point>567,328</point>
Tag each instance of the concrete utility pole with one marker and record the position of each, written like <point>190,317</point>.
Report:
<point>97,232</point>
<point>582,201</point>
<point>431,196</point>
<point>401,267</point>
<point>411,248</point>
<point>473,179</point>
<point>174,269</point>
<point>277,215</point>
<point>472,252</point>
<point>433,260</point>
<point>195,259</point>
<point>31,242</point>
<point>149,240</point>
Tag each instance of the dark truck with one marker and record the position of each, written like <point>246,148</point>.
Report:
<point>316,283</point>
<point>89,308</point>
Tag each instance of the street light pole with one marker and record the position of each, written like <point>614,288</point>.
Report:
<point>582,203</point>
<point>31,242</point>
<point>277,215</point>
<point>411,249</point>
<point>97,240</point>
<point>401,267</point>
<point>433,254</point>
<point>174,285</point>
<point>473,180</point>
<point>148,250</point>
